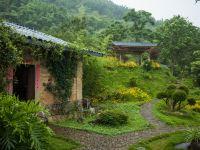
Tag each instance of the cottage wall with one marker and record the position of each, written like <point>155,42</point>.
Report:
<point>42,76</point>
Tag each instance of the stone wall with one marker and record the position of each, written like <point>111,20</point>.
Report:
<point>47,98</point>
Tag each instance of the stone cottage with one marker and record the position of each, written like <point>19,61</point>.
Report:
<point>29,78</point>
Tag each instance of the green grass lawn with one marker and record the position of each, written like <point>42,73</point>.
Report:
<point>163,142</point>
<point>184,117</point>
<point>136,121</point>
<point>61,143</point>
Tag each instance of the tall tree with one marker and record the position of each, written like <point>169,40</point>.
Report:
<point>195,67</point>
<point>177,40</point>
<point>117,30</point>
<point>139,21</point>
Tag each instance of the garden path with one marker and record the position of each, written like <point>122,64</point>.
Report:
<point>95,141</point>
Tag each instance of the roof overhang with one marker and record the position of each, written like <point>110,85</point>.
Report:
<point>30,33</point>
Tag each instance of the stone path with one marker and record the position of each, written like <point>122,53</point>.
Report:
<point>95,141</point>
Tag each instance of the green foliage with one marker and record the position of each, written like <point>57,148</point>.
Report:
<point>147,65</point>
<point>66,66</point>
<point>191,101</point>
<point>51,14</point>
<point>161,95</point>
<point>147,76</point>
<point>61,143</point>
<point>9,54</point>
<point>165,142</point>
<point>117,30</point>
<point>132,82</point>
<point>171,87</point>
<point>111,118</point>
<point>139,20</point>
<point>195,67</point>
<point>136,122</point>
<point>184,88</point>
<point>94,72</point>
<point>178,96</point>
<point>19,125</point>
<point>193,135</point>
<point>177,40</point>
<point>183,117</point>
<point>174,95</point>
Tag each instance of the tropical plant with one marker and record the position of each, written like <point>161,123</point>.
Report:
<point>193,136</point>
<point>20,127</point>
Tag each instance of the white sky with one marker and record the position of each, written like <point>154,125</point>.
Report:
<point>163,9</point>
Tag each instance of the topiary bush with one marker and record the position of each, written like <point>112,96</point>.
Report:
<point>20,128</point>
<point>111,118</point>
<point>184,88</point>
<point>178,97</point>
<point>174,96</point>
<point>171,87</point>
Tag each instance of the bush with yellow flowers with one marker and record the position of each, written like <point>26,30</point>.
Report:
<point>129,64</point>
<point>195,107</point>
<point>130,94</point>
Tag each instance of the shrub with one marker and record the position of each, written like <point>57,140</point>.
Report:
<point>130,94</point>
<point>184,88</point>
<point>147,76</point>
<point>174,96</point>
<point>132,82</point>
<point>20,126</point>
<point>195,107</point>
<point>92,80</point>
<point>161,95</point>
<point>178,97</point>
<point>147,65</point>
<point>129,64</point>
<point>171,87</point>
<point>111,118</point>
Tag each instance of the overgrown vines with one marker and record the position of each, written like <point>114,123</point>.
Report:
<point>61,64</point>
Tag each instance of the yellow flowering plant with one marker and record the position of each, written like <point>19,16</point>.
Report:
<point>129,64</point>
<point>130,94</point>
<point>195,107</point>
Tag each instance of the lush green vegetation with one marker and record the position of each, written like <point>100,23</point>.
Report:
<point>61,143</point>
<point>183,117</point>
<point>135,122</point>
<point>113,75</point>
<point>164,142</point>
<point>20,127</point>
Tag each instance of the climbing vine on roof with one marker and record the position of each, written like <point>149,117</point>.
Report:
<point>61,64</point>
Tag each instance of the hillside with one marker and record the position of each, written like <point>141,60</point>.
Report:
<point>50,14</point>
